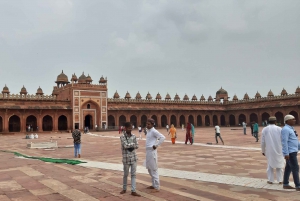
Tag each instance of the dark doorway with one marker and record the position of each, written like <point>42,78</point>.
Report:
<point>253,117</point>
<point>295,114</point>
<point>279,117</point>
<point>182,120</point>
<point>232,120</point>
<point>191,119</point>
<point>14,124</point>
<point>199,120</point>
<point>155,120</point>
<point>265,116</point>
<point>143,121</point>
<point>133,120</point>
<point>122,120</point>
<point>1,124</point>
<point>88,122</point>
<point>47,123</point>
<point>173,120</point>
<point>111,120</point>
<point>223,122</point>
<point>242,118</point>
<point>207,120</point>
<point>215,120</point>
<point>164,121</point>
<point>62,123</point>
<point>31,120</point>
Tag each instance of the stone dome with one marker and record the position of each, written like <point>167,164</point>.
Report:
<point>23,90</point>
<point>62,78</point>
<point>257,95</point>
<point>158,96</point>
<point>102,80</point>
<point>202,98</point>
<point>116,95</point>
<point>186,98</point>
<point>221,91</point>
<point>89,79</point>
<point>270,93</point>
<point>74,78</point>
<point>235,98</point>
<point>283,92</point>
<point>138,96</point>
<point>5,90</point>
<point>82,78</point>
<point>148,97</point>
<point>127,96</point>
<point>246,96</point>
<point>194,98</point>
<point>176,97</point>
<point>39,91</point>
<point>168,97</point>
<point>210,98</point>
<point>297,90</point>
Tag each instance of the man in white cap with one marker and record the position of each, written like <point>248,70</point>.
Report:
<point>290,143</point>
<point>271,148</point>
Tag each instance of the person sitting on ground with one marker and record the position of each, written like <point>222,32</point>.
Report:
<point>36,136</point>
<point>31,136</point>
<point>27,136</point>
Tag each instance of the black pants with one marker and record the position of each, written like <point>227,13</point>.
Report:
<point>255,134</point>
<point>219,135</point>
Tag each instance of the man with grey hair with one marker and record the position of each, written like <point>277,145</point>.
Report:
<point>290,144</point>
<point>271,148</point>
<point>153,140</point>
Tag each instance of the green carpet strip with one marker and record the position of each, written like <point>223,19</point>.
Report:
<point>49,160</point>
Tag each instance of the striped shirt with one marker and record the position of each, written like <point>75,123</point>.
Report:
<point>129,157</point>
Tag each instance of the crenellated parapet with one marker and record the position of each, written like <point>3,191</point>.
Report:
<point>161,101</point>
<point>26,97</point>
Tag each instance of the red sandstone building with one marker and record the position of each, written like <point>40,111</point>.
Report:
<point>81,102</point>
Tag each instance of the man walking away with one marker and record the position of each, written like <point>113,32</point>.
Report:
<point>255,130</point>
<point>76,134</point>
<point>290,144</point>
<point>271,148</point>
<point>244,127</point>
<point>218,134</point>
<point>128,145</point>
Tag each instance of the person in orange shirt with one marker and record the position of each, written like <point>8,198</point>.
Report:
<point>173,133</point>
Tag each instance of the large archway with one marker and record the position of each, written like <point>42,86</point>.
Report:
<point>207,120</point>
<point>242,118</point>
<point>31,120</point>
<point>1,124</point>
<point>295,114</point>
<point>111,121</point>
<point>154,117</point>
<point>163,120</point>
<point>62,123</point>
<point>215,120</point>
<point>173,120</point>
<point>143,120</point>
<point>223,122</point>
<point>47,123</point>
<point>279,117</point>
<point>199,120</point>
<point>182,120</point>
<point>122,120</point>
<point>191,119</point>
<point>232,120</point>
<point>265,117</point>
<point>254,117</point>
<point>133,120</point>
<point>14,124</point>
<point>88,121</point>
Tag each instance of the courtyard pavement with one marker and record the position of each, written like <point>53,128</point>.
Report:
<point>234,171</point>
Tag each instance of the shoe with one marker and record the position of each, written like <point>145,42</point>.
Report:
<point>288,187</point>
<point>150,187</point>
<point>78,155</point>
<point>135,194</point>
<point>123,192</point>
<point>269,182</point>
<point>280,182</point>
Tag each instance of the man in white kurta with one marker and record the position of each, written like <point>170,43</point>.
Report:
<point>271,148</point>
<point>153,140</point>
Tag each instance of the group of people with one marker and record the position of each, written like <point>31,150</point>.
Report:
<point>29,128</point>
<point>254,129</point>
<point>281,145</point>
<point>31,136</point>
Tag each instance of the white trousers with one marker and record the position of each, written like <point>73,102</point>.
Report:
<point>270,173</point>
<point>155,178</point>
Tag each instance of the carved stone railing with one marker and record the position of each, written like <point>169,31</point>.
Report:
<point>122,100</point>
<point>97,86</point>
<point>27,97</point>
<point>264,99</point>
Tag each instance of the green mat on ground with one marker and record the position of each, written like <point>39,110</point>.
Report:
<point>50,160</point>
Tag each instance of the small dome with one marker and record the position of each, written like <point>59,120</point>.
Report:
<point>23,90</point>
<point>283,92</point>
<point>116,95</point>
<point>127,96</point>
<point>298,90</point>
<point>202,98</point>
<point>194,98</point>
<point>176,97</point>
<point>138,96</point>
<point>55,91</point>
<point>257,95</point>
<point>246,96</point>
<point>210,98</point>
<point>185,97</point>
<point>39,91</point>
<point>89,79</point>
<point>158,96</point>
<point>235,98</point>
<point>270,94</point>
<point>74,78</point>
<point>5,90</point>
<point>82,78</point>
<point>148,97</point>
<point>62,78</point>
<point>168,97</point>
<point>102,80</point>
<point>221,91</point>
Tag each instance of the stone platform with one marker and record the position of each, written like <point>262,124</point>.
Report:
<point>235,171</point>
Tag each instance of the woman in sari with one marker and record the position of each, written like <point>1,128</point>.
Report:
<point>173,133</point>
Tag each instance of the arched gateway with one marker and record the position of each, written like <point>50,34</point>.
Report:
<point>14,124</point>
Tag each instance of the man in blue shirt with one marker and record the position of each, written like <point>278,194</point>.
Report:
<point>289,140</point>
<point>255,130</point>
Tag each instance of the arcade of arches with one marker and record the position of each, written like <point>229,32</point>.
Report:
<point>231,119</point>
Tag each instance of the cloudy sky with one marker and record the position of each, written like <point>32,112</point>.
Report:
<point>191,47</point>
